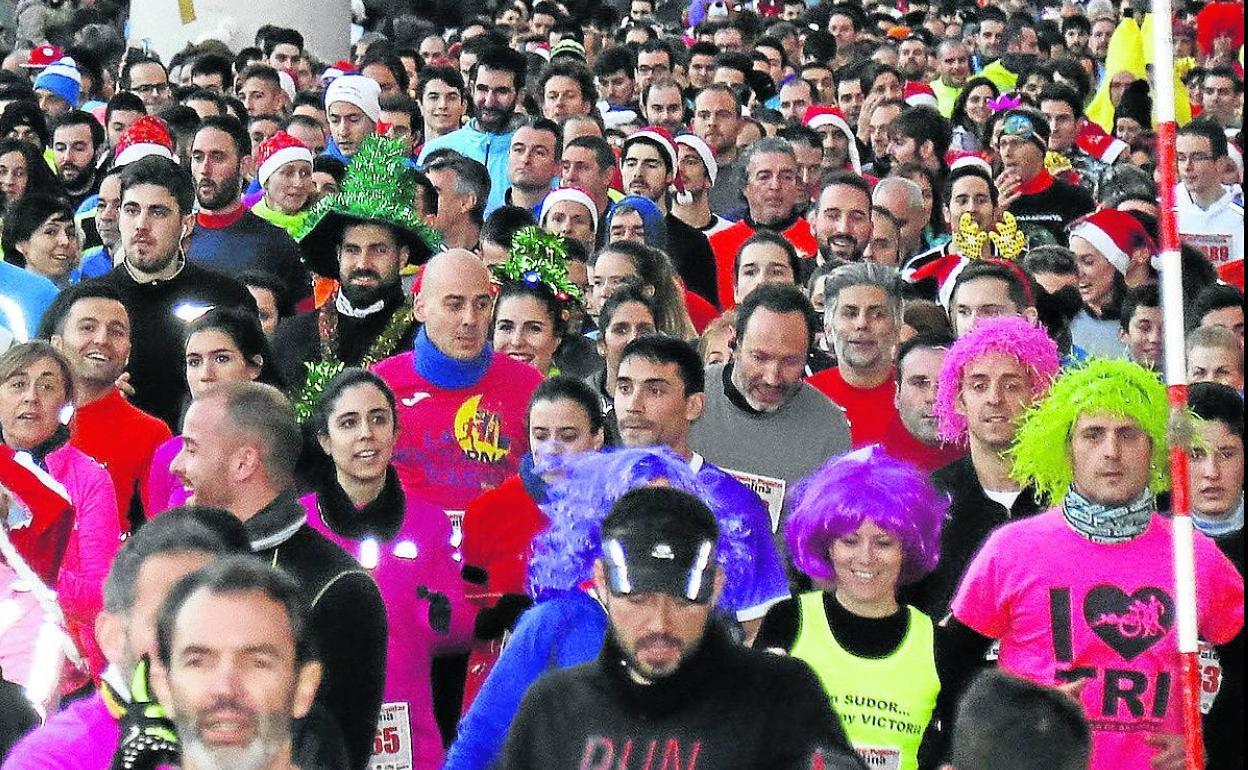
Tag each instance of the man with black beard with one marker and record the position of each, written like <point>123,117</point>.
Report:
<point>362,237</point>
<point>227,237</point>
<point>842,218</point>
<point>76,140</point>
<point>497,80</point>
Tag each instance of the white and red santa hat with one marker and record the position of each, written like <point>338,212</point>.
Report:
<point>1115,234</point>
<point>918,94</point>
<point>574,194</point>
<point>357,90</point>
<point>43,56</point>
<point>817,116</point>
<point>287,82</point>
<point>698,145</point>
<point>145,136</point>
<point>658,136</point>
<point>957,159</point>
<point>337,70</point>
<point>277,151</point>
<point>1096,142</point>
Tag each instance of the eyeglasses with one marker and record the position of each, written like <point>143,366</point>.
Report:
<point>150,88</point>
<point>1196,157</point>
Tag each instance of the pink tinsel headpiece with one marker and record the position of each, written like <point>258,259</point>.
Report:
<point>1011,335</point>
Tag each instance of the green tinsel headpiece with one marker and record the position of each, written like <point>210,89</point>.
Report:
<point>379,187</point>
<point>539,258</point>
<point>1041,451</point>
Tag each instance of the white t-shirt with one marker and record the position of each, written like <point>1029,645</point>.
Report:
<point>1218,231</point>
<point>1005,499</point>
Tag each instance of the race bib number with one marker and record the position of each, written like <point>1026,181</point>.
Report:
<point>770,491</point>
<point>392,745</point>
<point>880,757</point>
<point>1210,676</point>
<point>1217,247</point>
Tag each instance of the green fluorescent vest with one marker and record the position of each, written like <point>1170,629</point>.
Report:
<point>884,704</point>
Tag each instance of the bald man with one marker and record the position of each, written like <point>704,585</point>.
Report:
<point>461,405</point>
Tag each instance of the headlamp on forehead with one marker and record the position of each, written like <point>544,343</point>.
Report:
<point>638,564</point>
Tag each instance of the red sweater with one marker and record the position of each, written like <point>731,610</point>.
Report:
<point>726,243</point>
<point>498,528</point>
<point>96,431</point>
<point>901,444</point>
<point>869,411</point>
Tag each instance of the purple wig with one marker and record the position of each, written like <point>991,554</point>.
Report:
<point>564,553</point>
<point>1011,335</point>
<point>866,485</point>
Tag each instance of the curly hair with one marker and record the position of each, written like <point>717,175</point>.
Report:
<point>1011,335</point>
<point>866,485</point>
<point>564,553</point>
<point>1041,452</point>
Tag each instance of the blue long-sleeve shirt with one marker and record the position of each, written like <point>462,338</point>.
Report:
<point>491,150</point>
<point>565,631</point>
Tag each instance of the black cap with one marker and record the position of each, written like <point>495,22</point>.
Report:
<point>660,540</point>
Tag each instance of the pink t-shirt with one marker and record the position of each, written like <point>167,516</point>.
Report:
<point>455,444</point>
<point>1102,611</point>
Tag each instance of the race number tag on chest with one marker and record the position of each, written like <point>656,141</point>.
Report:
<point>1210,676</point>
<point>392,745</point>
<point>880,757</point>
<point>1216,247</point>
<point>770,491</point>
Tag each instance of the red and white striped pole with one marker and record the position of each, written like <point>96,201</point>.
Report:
<point>1176,383</point>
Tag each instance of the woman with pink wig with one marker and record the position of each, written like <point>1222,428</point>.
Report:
<point>863,525</point>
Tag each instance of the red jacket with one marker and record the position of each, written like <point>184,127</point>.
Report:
<point>726,243</point>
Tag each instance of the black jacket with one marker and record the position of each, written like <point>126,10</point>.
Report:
<point>157,368</point>
<point>348,620</point>
<point>972,517</point>
<point>692,257</point>
<point>727,708</point>
<point>298,339</point>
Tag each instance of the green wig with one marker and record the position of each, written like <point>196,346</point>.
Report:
<point>1041,451</point>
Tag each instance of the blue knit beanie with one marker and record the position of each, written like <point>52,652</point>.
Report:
<point>63,79</point>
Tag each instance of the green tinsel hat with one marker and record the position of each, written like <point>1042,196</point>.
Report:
<point>1041,451</point>
<point>379,187</point>
<point>539,258</point>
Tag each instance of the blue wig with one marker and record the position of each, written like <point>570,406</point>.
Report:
<point>564,553</point>
<point>866,485</point>
<point>651,217</point>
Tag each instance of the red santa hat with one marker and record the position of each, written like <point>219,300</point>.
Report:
<point>817,116</point>
<point>943,268</point>
<point>659,136</point>
<point>337,70</point>
<point>287,82</point>
<point>145,136</point>
<point>919,95</point>
<point>957,159</point>
<point>574,194</point>
<point>277,151</point>
<point>1115,234</point>
<point>1096,142</point>
<point>698,145</point>
<point>43,56</point>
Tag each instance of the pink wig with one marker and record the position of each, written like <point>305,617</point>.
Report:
<point>866,485</point>
<point>1011,335</point>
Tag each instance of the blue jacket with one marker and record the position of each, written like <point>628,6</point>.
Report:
<point>491,150</point>
<point>24,296</point>
<point>562,632</point>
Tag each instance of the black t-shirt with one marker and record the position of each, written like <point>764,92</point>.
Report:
<point>727,708</point>
<point>1044,215</point>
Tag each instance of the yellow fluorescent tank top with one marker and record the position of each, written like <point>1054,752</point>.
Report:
<point>884,704</point>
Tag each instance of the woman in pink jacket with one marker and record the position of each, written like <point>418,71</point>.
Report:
<point>36,387</point>
<point>405,544</point>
